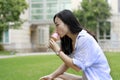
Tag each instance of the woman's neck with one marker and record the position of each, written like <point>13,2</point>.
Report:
<point>73,36</point>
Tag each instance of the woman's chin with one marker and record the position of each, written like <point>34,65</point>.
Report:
<point>62,36</point>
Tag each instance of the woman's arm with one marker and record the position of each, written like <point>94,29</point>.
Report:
<point>67,60</point>
<point>59,71</point>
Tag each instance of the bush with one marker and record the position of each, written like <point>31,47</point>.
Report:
<point>1,47</point>
<point>52,29</point>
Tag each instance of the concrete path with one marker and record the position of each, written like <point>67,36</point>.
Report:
<point>26,54</point>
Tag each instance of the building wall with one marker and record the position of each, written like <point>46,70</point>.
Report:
<point>19,39</point>
<point>114,6</point>
<point>114,43</point>
<point>40,38</point>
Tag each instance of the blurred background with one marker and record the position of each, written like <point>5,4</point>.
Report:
<point>26,25</point>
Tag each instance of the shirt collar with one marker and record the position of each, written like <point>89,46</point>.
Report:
<point>81,33</point>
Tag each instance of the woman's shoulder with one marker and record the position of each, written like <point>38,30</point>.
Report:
<point>83,36</point>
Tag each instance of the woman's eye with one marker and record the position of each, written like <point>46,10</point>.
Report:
<point>57,24</point>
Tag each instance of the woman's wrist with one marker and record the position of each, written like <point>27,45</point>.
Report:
<point>58,52</point>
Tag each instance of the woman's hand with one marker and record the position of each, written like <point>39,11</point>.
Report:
<point>48,77</point>
<point>54,46</point>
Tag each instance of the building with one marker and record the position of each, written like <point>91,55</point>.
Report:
<point>34,33</point>
<point>113,42</point>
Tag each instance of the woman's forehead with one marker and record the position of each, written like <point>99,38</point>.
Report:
<point>57,19</point>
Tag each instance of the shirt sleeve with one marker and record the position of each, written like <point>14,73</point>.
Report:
<point>86,52</point>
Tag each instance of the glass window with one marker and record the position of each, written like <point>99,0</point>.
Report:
<point>1,36</point>
<point>51,0</point>
<point>36,11</point>
<point>119,6</point>
<point>52,5</point>
<point>109,1</point>
<point>50,16</point>
<point>37,17</point>
<point>51,10</point>
<point>41,36</point>
<point>66,6</point>
<point>36,0</point>
<point>45,9</point>
<point>104,29</point>
<point>4,37</point>
<point>66,1</point>
<point>37,5</point>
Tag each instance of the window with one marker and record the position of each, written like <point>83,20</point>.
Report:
<point>104,29</point>
<point>4,37</point>
<point>41,36</point>
<point>51,0</point>
<point>119,6</point>
<point>37,17</point>
<point>51,9</point>
<point>51,5</point>
<point>50,16</point>
<point>37,11</point>
<point>66,6</point>
<point>1,36</point>
<point>45,9</point>
<point>109,1</point>
<point>36,0</point>
<point>37,5</point>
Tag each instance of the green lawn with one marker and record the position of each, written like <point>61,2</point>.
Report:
<point>33,67</point>
<point>7,52</point>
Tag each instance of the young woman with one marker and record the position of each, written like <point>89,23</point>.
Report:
<point>79,51</point>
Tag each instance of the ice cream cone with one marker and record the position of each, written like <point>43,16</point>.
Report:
<point>55,36</point>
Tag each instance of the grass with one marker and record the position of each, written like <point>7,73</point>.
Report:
<point>27,68</point>
<point>6,53</point>
<point>33,67</point>
<point>113,59</point>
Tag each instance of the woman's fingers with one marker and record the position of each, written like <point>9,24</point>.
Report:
<point>51,43</point>
<point>46,78</point>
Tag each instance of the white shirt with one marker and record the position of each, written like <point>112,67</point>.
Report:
<point>90,58</point>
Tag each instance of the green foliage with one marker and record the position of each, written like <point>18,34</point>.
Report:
<point>52,29</point>
<point>10,11</point>
<point>92,12</point>
<point>1,48</point>
<point>5,53</point>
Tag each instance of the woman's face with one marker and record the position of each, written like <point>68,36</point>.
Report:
<point>61,28</point>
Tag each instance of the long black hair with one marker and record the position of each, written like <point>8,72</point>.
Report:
<point>73,25</point>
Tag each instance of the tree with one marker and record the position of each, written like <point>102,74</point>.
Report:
<point>10,11</point>
<point>92,12</point>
